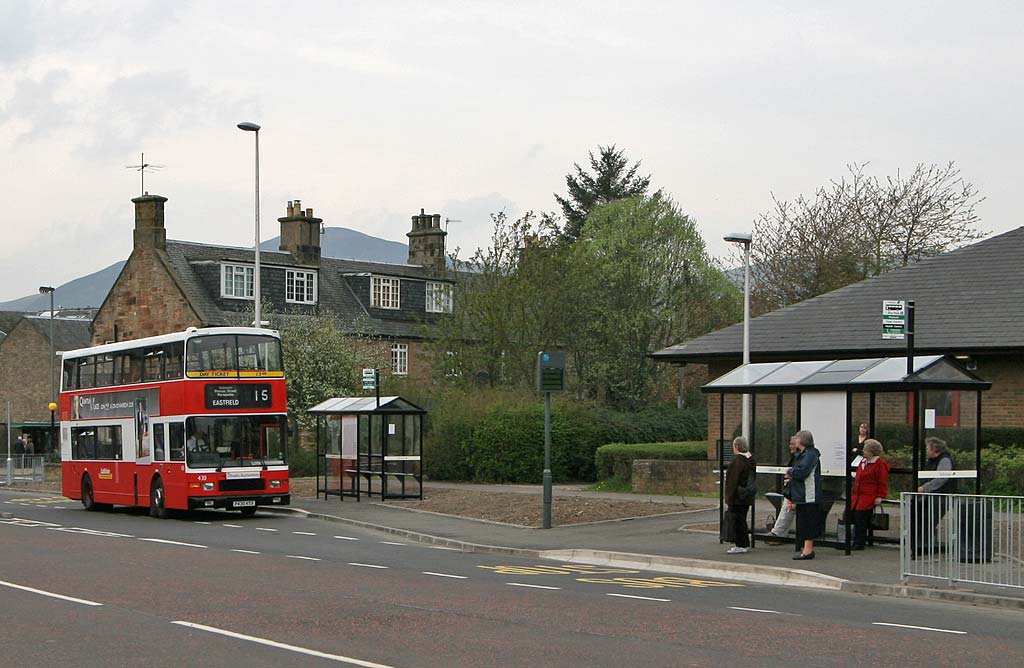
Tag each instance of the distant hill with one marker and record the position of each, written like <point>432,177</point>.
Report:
<point>91,290</point>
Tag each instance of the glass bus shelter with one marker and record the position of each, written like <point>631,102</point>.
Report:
<point>369,447</point>
<point>831,399</point>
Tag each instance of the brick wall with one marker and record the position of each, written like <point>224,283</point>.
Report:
<point>25,374</point>
<point>144,301</point>
<point>670,476</point>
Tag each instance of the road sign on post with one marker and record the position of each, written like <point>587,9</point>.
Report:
<point>550,378</point>
<point>894,319</point>
<point>369,379</point>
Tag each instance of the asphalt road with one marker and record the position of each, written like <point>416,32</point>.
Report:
<point>217,589</point>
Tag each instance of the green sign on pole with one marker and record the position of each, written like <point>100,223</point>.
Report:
<point>894,319</point>
<point>550,372</point>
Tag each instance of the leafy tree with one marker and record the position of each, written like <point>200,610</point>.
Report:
<point>612,179</point>
<point>857,227</point>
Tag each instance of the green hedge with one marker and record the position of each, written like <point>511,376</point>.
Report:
<point>615,460</point>
<point>500,438</point>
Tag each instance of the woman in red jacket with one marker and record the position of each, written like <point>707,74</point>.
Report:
<point>870,488</point>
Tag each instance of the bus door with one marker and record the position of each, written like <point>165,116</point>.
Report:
<point>143,452</point>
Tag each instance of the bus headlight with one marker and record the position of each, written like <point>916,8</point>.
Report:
<point>208,486</point>
<point>275,483</point>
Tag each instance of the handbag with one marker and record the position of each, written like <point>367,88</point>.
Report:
<point>880,519</point>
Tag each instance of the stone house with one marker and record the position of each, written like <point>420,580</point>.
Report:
<point>168,285</point>
<point>25,372</point>
<point>969,304</point>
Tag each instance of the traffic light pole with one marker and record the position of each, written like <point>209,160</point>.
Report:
<point>547,460</point>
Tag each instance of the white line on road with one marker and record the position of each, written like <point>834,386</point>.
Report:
<point>60,507</point>
<point>642,598</point>
<point>232,526</point>
<point>446,575</point>
<point>346,538</point>
<point>198,522</point>
<point>91,532</point>
<point>920,628</point>
<point>444,547</point>
<point>171,542</point>
<point>245,551</point>
<point>48,593</point>
<point>352,563</point>
<point>532,586</point>
<point>280,645</point>
<point>770,612</point>
<point>388,542</point>
<point>295,556</point>
<point>264,529</point>
<point>303,533</point>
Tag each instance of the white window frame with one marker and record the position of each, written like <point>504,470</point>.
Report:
<point>439,297</point>
<point>309,286</point>
<point>248,273</point>
<point>400,359</point>
<point>385,292</point>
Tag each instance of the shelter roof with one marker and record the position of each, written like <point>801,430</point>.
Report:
<point>364,405</point>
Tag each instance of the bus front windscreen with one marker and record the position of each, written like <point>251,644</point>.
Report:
<point>234,356</point>
<point>236,441</point>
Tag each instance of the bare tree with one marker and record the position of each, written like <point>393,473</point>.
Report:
<point>857,227</point>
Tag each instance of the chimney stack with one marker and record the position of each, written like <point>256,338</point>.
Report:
<point>426,241</point>
<point>149,222</point>
<point>300,234</point>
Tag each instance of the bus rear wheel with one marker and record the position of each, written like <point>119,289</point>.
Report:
<point>158,500</point>
<point>88,500</point>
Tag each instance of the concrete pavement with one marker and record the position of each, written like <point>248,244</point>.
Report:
<point>661,543</point>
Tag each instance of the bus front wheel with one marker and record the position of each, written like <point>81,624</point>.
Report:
<point>157,500</point>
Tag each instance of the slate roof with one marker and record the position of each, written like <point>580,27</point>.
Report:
<point>68,333</point>
<point>8,319</point>
<point>335,294</point>
<point>967,301</point>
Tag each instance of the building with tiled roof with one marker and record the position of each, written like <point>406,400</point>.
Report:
<point>169,285</point>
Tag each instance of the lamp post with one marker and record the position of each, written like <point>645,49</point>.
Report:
<point>44,289</point>
<point>252,127</point>
<point>745,239</point>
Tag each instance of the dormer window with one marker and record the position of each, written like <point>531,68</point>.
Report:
<point>300,287</point>
<point>385,292</point>
<point>439,297</point>
<point>236,281</point>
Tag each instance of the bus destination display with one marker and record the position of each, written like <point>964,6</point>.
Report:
<point>256,395</point>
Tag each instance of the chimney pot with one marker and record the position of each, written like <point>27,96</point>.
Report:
<point>309,213</point>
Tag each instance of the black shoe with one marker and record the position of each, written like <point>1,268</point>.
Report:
<point>802,556</point>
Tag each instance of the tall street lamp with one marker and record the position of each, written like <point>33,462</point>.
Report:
<point>252,127</point>
<point>44,289</point>
<point>745,239</point>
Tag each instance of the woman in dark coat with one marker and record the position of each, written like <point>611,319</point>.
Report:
<point>740,472</point>
<point>870,488</point>
<point>805,492</point>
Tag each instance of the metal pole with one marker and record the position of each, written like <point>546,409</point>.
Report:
<point>547,460</point>
<point>256,275</point>
<point>910,336</point>
<point>53,383</point>
<point>745,427</point>
<point>10,462</point>
<point>376,385</point>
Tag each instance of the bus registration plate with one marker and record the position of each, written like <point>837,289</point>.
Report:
<point>243,504</point>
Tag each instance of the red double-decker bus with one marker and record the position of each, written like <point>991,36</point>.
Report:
<point>195,419</point>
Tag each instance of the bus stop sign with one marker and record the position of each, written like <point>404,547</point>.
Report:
<point>550,372</point>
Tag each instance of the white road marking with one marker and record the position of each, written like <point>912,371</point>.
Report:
<point>303,533</point>
<point>18,521</point>
<point>346,538</point>
<point>446,575</point>
<point>443,547</point>
<point>60,507</point>
<point>642,598</point>
<point>232,526</point>
<point>280,645</point>
<point>353,563</point>
<point>295,556</point>
<point>770,612</point>
<point>48,593</point>
<point>245,551</point>
<point>532,586</point>
<point>91,532</point>
<point>198,522</point>
<point>920,628</point>
<point>388,542</point>
<point>264,529</point>
<point>171,542</point>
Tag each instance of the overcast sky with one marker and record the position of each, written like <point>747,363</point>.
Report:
<point>373,110</point>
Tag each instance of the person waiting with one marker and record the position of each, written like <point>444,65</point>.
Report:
<point>805,483</point>
<point>738,482</point>
<point>870,488</point>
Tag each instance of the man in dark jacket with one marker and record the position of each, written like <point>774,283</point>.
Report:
<point>739,482</point>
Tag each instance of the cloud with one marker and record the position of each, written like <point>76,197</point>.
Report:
<point>35,110</point>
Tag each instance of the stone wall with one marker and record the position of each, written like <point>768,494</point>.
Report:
<point>25,374</point>
<point>674,476</point>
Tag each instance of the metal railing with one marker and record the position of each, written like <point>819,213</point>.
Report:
<point>22,469</point>
<point>962,538</point>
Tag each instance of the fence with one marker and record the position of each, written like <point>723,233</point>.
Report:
<point>22,469</point>
<point>962,538</point>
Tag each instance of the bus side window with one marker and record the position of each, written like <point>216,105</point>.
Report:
<point>174,363</point>
<point>158,443</point>
<point>176,441</point>
<point>70,374</point>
